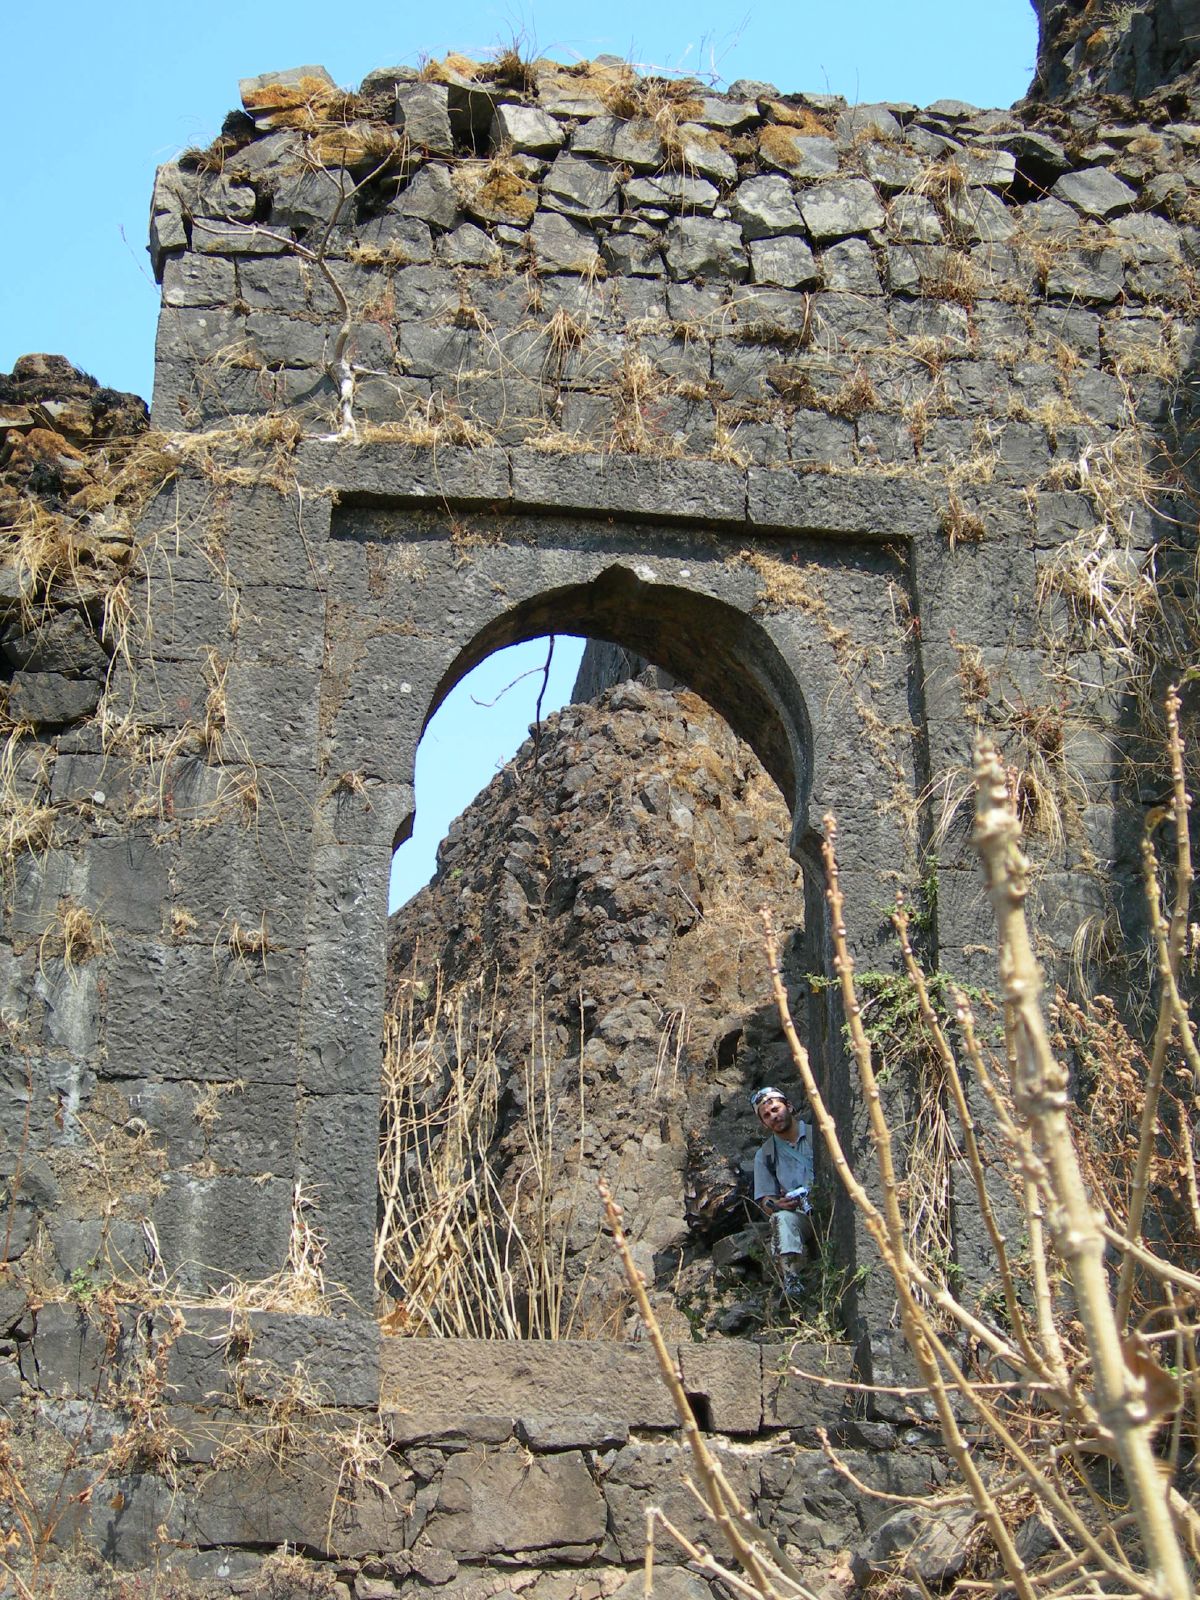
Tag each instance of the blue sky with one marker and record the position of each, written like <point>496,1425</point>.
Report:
<point>97,95</point>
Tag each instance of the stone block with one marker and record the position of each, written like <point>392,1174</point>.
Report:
<point>788,262</point>
<point>340,1356</point>
<point>891,170</point>
<point>573,1433</point>
<point>914,218</point>
<point>280,284</point>
<point>337,1163</point>
<point>1090,276</point>
<point>848,266</point>
<point>131,1520</point>
<point>671,192</point>
<point>799,155</point>
<point>214,1230</point>
<point>265,1504</point>
<point>725,1376</point>
<point>868,122</point>
<point>706,247</point>
<point>271,716</point>
<point>215,238</point>
<point>126,881</point>
<point>449,1430</point>
<point>50,699</point>
<point>468,246</point>
<point>986,592</point>
<point>850,322</point>
<point>423,113</point>
<point>635,143</point>
<point>194,394</point>
<point>191,334</point>
<point>702,490</point>
<point>560,245</point>
<point>236,1126</point>
<point>70,998</point>
<point>534,1382</point>
<point>29,1190</point>
<point>840,207</point>
<point>979,216</point>
<point>1095,192</point>
<point>526,130</point>
<point>801,1385</point>
<point>408,472</point>
<point>72,1354</point>
<point>280,626</point>
<point>699,152</point>
<point>62,642</point>
<point>429,197</point>
<point>818,437</point>
<point>502,1502</point>
<point>644,1474</point>
<point>878,508</point>
<point>279,341</point>
<point>231,1015</point>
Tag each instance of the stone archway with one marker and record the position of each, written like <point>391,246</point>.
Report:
<point>416,601</point>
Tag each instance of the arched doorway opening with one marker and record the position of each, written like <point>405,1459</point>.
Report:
<point>583,990</point>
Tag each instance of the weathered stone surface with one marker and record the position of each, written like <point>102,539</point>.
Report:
<point>1090,275</point>
<point>1095,191</point>
<point>524,128</point>
<point>540,1384</point>
<point>766,207</point>
<point>786,262</point>
<point>585,189</point>
<point>817,501</point>
<point>430,197</point>
<point>560,245</point>
<point>801,1386</point>
<point>423,115</point>
<point>504,1503</point>
<point>671,191</point>
<point>931,1545</point>
<point>876,121</point>
<point>50,699</point>
<point>636,143</point>
<point>652,1474</point>
<point>709,490</point>
<point>700,153</point>
<point>834,210</point>
<point>237,239</point>
<point>703,246</point>
<point>63,642</point>
<point>271,91</point>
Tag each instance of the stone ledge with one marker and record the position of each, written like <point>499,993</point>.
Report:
<point>580,1393</point>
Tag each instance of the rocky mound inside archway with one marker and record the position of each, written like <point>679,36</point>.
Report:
<point>581,992</point>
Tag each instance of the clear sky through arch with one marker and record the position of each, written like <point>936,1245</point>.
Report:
<point>479,726</point>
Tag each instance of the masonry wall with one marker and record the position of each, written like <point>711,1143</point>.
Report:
<point>867,423</point>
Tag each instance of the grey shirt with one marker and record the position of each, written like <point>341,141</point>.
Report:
<point>793,1164</point>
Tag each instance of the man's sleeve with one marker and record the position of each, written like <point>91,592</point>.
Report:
<point>764,1183</point>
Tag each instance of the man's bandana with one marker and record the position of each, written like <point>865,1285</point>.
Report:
<point>767,1093</point>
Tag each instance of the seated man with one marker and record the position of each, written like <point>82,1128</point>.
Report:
<point>783,1176</point>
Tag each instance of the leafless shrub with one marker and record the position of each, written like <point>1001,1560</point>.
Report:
<point>1071,1377</point>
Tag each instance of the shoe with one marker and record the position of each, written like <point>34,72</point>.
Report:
<point>793,1286</point>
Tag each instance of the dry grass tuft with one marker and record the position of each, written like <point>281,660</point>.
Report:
<point>475,1218</point>
<point>960,524</point>
<point>496,190</point>
<point>429,424</point>
<point>77,937</point>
